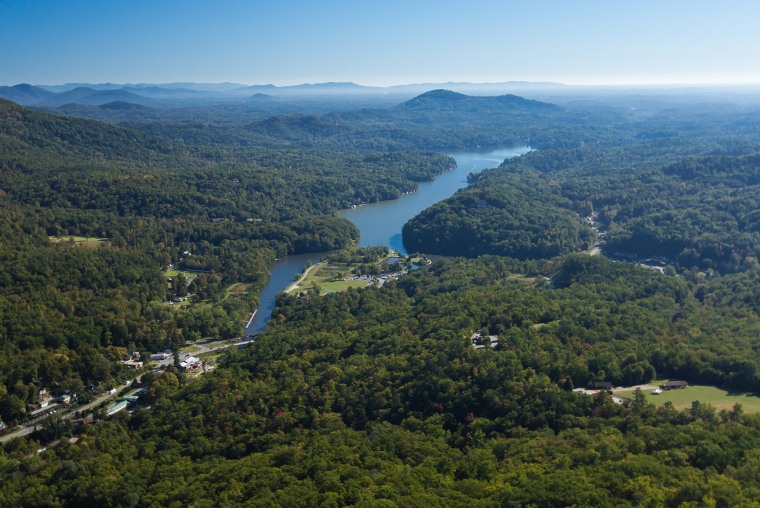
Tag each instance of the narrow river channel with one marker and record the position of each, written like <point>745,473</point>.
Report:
<point>380,223</point>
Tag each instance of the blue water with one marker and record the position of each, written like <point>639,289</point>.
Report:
<point>380,223</point>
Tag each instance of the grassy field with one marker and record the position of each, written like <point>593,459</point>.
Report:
<point>237,289</point>
<point>173,272</point>
<point>81,241</point>
<point>716,397</point>
<point>331,277</point>
<point>340,285</point>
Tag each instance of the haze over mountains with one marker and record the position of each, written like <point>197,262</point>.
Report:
<point>233,103</point>
<point>42,95</point>
<point>208,94</point>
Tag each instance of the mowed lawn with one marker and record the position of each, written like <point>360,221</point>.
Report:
<point>340,285</point>
<point>716,397</point>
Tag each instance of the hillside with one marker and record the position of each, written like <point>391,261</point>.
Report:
<point>27,136</point>
<point>436,120</point>
<point>687,198</point>
<point>25,94</point>
<point>446,100</point>
<point>378,398</point>
<point>139,204</point>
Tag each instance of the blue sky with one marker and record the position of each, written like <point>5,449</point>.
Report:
<point>379,42</point>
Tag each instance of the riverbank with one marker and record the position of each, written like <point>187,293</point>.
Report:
<point>303,277</point>
<point>333,276</point>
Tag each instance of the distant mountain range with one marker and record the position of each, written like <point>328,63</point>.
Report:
<point>210,101</point>
<point>195,94</point>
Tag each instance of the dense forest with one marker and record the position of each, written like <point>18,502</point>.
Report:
<point>687,202</point>
<point>66,311</point>
<point>377,396</point>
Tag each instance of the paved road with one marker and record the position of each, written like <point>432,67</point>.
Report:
<point>68,411</point>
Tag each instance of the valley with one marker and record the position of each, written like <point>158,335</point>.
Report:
<point>122,239</point>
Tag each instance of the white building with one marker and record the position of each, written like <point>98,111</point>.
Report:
<point>190,363</point>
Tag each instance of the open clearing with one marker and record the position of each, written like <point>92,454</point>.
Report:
<point>173,272</point>
<point>237,289</point>
<point>716,397</point>
<point>340,285</point>
<point>81,241</point>
<point>328,276</point>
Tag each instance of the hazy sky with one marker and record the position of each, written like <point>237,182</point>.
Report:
<point>379,42</point>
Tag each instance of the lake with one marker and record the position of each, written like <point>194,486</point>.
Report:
<point>380,223</point>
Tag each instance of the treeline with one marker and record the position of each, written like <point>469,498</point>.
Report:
<point>524,219</point>
<point>376,397</point>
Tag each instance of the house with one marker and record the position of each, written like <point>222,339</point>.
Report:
<point>3,426</point>
<point>44,398</point>
<point>603,385</point>
<point>674,385</point>
<point>64,399</point>
<point>132,364</point>
<point>119,406</point>
<point>190,363</point>
<point>160,356</point>
<point>480,341</point>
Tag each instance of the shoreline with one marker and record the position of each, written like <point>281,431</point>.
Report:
<point>303,276</point>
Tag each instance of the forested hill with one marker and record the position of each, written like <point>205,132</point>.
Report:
<point>90,212</point>
<point>650,198</point>
<point>437,120</point>
<point>446,100</point>
<point>35,138</point>
<point>525,219</point>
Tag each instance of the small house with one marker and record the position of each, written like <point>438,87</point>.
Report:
<point>480,341</point>
<point>133,364</point>
<point>44,399</point>
<point>603,385</point>
<point>674,385</point>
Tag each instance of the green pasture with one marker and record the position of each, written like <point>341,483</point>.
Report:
<point>716,397</point>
